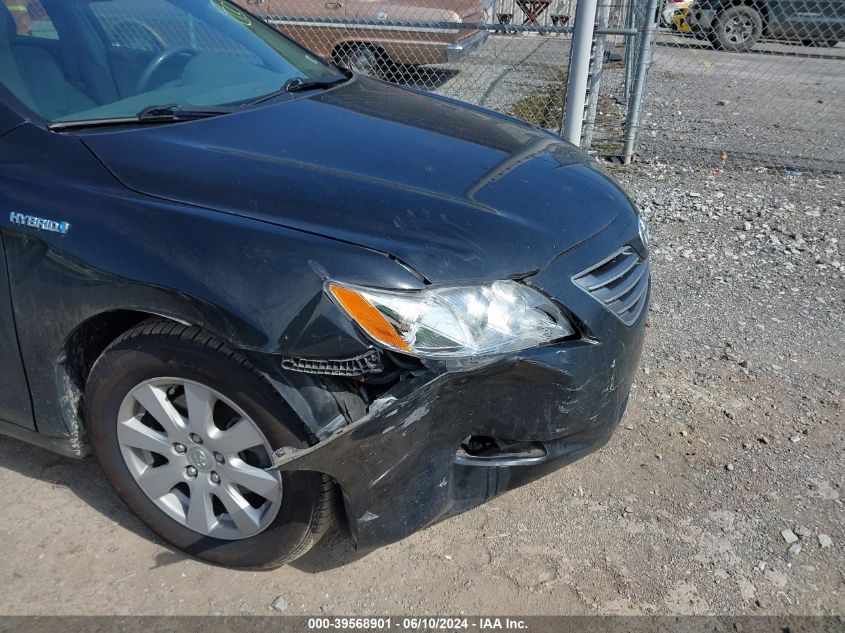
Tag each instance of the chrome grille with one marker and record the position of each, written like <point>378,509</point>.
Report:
<point>619,283</point>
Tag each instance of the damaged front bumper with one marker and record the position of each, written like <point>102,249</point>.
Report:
<point>409,462</point>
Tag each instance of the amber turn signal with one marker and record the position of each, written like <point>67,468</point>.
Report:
<point>368,317</point>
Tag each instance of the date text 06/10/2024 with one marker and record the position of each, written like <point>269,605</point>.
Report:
<point>417,624</point>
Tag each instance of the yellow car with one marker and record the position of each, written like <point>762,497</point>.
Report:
<point>674,16</point>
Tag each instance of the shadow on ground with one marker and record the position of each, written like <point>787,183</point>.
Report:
<point>790,49</point>
<point>84,479</point>
<point>422,77</point>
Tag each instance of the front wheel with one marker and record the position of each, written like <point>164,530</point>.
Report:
<point>184,429</point>
<point>362,59</point>
<point>737,29</point>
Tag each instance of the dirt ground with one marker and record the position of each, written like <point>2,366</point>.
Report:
<point>735,434</point>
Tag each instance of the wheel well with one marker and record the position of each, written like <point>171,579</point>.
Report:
<point>79,353</point>
<point>339,48</point>
<point>84,346</point>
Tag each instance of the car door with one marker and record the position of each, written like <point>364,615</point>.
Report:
<point>823,21</point>
<point>802,19</point>
<point>15,406</point>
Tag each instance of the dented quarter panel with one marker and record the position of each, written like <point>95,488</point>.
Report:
<point>258,286</point>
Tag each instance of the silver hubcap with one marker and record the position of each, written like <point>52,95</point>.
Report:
<point>739,29</point>
<point>199,458</point>
<point>363,61</point>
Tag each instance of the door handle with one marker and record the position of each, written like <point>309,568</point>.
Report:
<point>334,5</point>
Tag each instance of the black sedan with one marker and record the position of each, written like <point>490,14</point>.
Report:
<point>267,293</point>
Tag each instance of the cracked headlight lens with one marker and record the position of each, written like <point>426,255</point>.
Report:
<point>454,322</point>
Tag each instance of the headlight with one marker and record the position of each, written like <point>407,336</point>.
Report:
<point>456,322</point>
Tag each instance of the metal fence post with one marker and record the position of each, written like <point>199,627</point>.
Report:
<point>579,70</point>
<point>594,81</point>
<point>632,121</point>
<point>630,44</point>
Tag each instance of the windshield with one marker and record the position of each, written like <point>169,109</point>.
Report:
<point>84,60</point>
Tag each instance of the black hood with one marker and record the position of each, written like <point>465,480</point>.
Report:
<point>456,192</point>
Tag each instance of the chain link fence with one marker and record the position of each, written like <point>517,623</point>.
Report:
<point>721,83</point>
<point>715,82</point>
<point>507,55</point>
<point>747,84</point>
<point>512,56</point>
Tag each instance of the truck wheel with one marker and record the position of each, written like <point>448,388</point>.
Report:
<point>360,58</point>
<point>183,428</point>
<point>737,29</point>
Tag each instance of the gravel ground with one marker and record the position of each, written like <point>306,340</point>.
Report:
<point>722,491</point>
<point>780,105</point>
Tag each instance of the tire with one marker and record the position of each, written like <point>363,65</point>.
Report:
<point>820,43</point>
<point>362,59</point>
<point>737,29</point>
<point>159,351</point>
